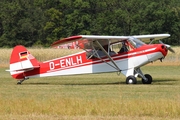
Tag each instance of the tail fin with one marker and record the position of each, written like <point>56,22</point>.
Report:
<point>21,61</point>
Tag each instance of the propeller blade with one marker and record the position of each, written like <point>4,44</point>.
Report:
<point>161,42</point>
<point>170,49</point>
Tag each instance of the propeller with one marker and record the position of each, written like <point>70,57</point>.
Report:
<point>167,46</point>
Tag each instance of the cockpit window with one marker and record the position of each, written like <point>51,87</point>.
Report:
<point>136,42</point>
<point>112,47</point>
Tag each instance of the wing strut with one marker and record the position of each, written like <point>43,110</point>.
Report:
<point>107,55</point>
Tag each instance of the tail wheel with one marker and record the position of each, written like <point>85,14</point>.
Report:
<point>131,80</point>
<point>148,79</point>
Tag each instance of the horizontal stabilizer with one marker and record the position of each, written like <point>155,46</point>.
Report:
<point>24,70</point>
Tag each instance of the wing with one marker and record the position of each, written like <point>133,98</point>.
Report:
<point>87,40</point>
<point>149,38</point>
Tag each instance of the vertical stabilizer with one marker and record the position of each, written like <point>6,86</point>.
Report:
<point>21,61</point>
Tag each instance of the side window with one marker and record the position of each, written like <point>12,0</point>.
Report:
<point>90,54</point>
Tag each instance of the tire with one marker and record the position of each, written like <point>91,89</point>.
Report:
<point>149,79</point>
<point>131,80</point>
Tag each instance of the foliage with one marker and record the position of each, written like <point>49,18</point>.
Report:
<point>41,22</point>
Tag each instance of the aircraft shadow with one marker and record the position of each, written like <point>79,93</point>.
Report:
<point>113,83</point>
<point>164,82</point>
<point>156,82</point>
<point>35,83</point>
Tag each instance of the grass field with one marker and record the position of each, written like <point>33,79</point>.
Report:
<point>86,97</point>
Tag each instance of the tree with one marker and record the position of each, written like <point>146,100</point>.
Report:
<point>53,26</point>
<point>21,22</point>
<point>41,22</point>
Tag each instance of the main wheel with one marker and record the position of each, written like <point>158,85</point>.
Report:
<point>148,79</point>
<point>19,83</point>
<point>131,80</point>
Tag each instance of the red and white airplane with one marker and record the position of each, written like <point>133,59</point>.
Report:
<point>99,56</point>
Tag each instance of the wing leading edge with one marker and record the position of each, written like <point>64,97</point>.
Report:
<point>113,39</point>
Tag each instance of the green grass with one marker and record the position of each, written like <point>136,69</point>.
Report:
<point>93,96</point>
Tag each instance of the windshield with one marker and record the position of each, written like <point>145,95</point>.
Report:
<point>136,42</point>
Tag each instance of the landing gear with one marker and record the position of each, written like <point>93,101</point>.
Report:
<point>131,80</point>
<point>148,79</point>
<point>20,81</point>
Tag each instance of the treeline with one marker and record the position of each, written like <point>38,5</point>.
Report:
<point>41,22</point>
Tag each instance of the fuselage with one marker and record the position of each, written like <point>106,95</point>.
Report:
<point>79,63</point>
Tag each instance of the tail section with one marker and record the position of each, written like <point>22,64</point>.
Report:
<point>21,61</point>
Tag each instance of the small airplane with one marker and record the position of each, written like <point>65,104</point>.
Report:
<point>101,54</point>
